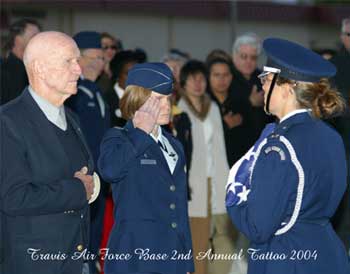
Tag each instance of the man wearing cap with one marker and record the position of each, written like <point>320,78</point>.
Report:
<point>93,115</point>
<point>284,191</point>
<point>46,166</point>
<point>146,167</point>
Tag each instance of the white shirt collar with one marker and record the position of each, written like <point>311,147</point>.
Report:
<point>294,112</point>
<point>159,137</point>
<point>169,153</point>
<point>118,90</point>
<point>55,115</point>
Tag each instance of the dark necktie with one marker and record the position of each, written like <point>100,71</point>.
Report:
<point>162,146</point>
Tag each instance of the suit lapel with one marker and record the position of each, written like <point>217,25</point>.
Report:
<point>158,153</point>
<point>44,128</point>
<point>79,133</point>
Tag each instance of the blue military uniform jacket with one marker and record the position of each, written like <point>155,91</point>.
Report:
<point>43,206</point>
<point>297,182</point>
<point>93,113</point>
<point>150,203</point>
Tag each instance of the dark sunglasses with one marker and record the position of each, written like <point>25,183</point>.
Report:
<point>109,47</point>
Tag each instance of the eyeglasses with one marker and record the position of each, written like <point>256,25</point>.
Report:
<point>346,34</point>
<point>245,57</point>
<point>114,47</point>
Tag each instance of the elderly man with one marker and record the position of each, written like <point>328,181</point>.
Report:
<point>342,81</point>
<point>246,93</point>
<point>46,166</point>
<point>13,75</point>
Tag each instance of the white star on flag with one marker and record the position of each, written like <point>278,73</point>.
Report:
<point>243,195</point>
<point>234,185</point>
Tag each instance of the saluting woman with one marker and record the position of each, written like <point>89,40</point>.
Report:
<point>146,167</point>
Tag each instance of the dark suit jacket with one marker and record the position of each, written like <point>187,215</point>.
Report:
<point>150,203</point>
<point>254,119</point>
<point>43,207</point>
<point>13,78</point>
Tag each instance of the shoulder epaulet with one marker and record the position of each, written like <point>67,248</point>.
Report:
<point>87,91</point>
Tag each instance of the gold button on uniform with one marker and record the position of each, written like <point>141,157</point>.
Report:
<point>172,206</point>
<point>80,247</point>
<point>172,188</point>
<point>174,225</point>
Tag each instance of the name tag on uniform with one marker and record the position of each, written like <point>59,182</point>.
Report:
<point>91,104</point>
<point>148,162</point>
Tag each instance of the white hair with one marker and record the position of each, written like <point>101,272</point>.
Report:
<point>173,55</point>
<point>248,38</point>
<point>344,23</point>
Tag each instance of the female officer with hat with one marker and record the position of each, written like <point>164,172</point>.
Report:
<point>146,167</point>
<point>283,192</point>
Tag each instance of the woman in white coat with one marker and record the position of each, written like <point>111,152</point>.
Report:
<point>210,225</point>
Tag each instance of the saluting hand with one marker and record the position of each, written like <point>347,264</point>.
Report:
<point>87,180</point>
<point>146,117</point>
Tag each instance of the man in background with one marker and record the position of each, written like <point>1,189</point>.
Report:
<point>13,75</point>
<point>93,115</point>
<point>246,93</point>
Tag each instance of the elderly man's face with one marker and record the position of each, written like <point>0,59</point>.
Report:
<point>62,69</point>
<point>345,37</point>
<point>245,60</point>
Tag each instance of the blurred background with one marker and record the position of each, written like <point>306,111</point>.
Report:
<point>194,26</point>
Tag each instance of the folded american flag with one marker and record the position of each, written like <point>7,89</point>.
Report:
<point>238,184</point>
